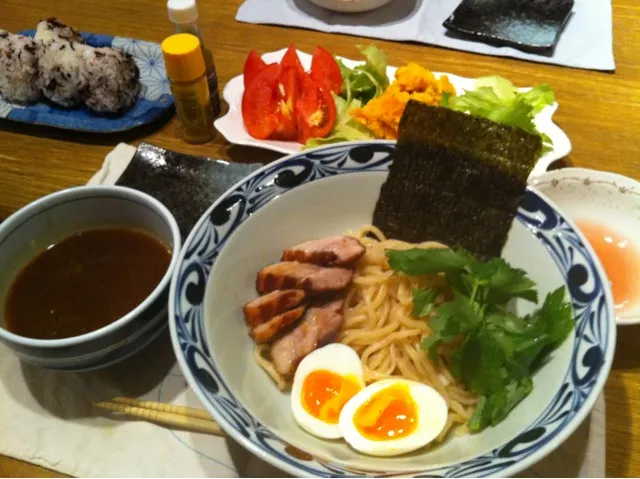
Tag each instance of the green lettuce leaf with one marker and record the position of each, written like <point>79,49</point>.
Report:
<point>366,81</point>
<point>497,99</point>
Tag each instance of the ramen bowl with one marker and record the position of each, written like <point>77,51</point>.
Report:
<point>330,191</point>
<point>57,216</point>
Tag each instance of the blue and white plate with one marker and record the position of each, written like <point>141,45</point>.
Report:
<point>155,95</point>
<point>329,191</point>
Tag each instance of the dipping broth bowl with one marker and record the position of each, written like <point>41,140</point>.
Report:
<point>55,217</point>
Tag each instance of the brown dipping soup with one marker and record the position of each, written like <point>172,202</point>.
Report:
<point>85,282</point>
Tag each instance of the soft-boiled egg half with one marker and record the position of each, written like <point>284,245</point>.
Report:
<point>323,383</point>
<point>392,417</point>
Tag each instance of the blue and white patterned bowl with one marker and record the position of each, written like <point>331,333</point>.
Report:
<point>56,216</point>
<point>154,99</point>
<point>329,191</point>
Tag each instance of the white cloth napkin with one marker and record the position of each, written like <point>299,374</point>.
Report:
<point>586,42</point>
<point>47,417</point>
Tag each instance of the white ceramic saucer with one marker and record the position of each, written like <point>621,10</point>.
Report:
<point>609,200</point>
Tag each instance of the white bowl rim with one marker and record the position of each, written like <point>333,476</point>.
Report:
<point>583,173</point>
<point>272,459</point>
<point>14,221</point>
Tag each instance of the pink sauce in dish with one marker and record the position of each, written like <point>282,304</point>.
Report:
<point>620,259</point>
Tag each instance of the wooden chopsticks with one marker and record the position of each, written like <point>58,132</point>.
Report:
<point>167,414</point>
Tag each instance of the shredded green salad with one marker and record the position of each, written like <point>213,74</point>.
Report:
<point>495,351</point>
<point>497,99</point>
<point>359,85</point>
<point>494,97</point>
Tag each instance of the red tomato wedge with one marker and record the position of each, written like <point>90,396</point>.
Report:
<point>291,60</point>
<point>259,102</point>
<point>269,102</point>
<point>282,102</point>
<point>287,96</point>
<point>325,70</point>
<point>253,65</point>
<point>315,110</point>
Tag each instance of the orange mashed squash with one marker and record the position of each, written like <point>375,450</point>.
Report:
<point>412,82</point>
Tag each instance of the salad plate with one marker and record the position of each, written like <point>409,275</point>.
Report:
<point>232,127</point>
<point>155,94</point>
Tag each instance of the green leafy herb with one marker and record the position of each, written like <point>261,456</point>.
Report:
<point>497,351</point>
<point>497,99</point>
<point>427,261</point>
<point>424,300</point>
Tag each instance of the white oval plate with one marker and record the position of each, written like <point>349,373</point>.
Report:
<point>232,127</point>
<point>600,197</point>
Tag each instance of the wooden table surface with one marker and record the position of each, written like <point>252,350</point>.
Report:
<point>599,111</point>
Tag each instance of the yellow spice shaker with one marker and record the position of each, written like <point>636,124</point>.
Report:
<point>186,71</point>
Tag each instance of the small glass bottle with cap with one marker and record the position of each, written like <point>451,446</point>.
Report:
<point>184,15</point>
<point>187,75</point>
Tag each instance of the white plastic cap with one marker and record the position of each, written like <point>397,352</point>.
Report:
<point>182,11</point>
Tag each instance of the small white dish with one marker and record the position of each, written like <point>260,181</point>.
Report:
<point>232,127</point>
<point>606,199</point>
<point>350,6</point>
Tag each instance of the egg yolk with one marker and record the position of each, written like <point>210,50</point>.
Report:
<point>391,413</point>
<point>325,393</point>
<point>620,260</point>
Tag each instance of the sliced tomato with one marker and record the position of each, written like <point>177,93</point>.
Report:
<point>325,70</point>
<point>259,102</point>
<point>291,60</point>
<point>287,91</point>
<point>253,65</point>
<point>315,110</point>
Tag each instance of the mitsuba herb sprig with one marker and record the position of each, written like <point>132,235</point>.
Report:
<point>498,351</point>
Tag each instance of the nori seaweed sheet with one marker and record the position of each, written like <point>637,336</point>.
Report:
<point>185,184</point>
<point>456,178</point>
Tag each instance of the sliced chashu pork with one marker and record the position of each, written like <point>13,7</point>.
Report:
<point>319,326</point>
<point>329,251</point>
<point>263,308</point>
<point>312,279</point>
<point>265,332</point>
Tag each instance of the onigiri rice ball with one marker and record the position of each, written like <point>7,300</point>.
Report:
<point>53,30</point>
<point>113,79</point>
<point>61,72</point>
<point>19,81</point>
